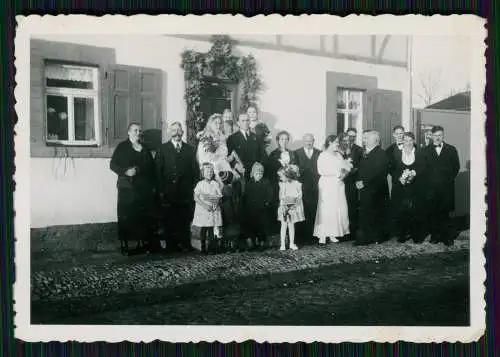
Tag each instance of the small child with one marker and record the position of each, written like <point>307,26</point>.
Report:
<point>207,213</point>
<point>291,208</point>
<point>257,200</point>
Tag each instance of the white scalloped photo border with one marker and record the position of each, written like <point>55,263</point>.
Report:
<point>465,25</point>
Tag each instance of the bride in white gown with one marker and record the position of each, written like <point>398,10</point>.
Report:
<point>212,148</point>
<point>332,218</point>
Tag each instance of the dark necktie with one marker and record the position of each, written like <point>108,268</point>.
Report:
<point>177,147</point>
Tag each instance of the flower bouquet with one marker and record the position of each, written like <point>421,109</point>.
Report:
<point>284,158</point>
<point>407,176</point>
<point>212,199</point>
<point>209,142</point>
<point>346,169</point>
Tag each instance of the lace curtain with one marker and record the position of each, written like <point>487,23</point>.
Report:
<point>69,73</point>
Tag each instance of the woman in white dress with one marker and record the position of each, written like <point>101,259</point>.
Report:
<point>212,147</point>
<point>332,220</point>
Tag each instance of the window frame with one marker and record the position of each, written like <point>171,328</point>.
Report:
<point>70,94</point>
<point>346,111</point>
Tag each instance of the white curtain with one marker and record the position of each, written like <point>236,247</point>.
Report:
<point>69,73</point>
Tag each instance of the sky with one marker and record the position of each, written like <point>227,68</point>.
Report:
<point>448,61</point>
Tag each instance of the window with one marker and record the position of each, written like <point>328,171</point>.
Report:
<point>350,111</point>
<point>72,104</point>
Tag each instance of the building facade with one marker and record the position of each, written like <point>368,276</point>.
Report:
<point>86,89</point>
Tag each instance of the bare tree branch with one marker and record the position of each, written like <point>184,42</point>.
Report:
<point>430,82</point>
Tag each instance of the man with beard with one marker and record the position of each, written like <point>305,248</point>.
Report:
<point>441,168</point>
<point>178,173</point>
<point>371,183</point>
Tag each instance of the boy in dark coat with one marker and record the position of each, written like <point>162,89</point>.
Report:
<point>257,201</point>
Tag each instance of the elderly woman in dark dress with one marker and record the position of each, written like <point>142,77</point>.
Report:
<point>134,165</point>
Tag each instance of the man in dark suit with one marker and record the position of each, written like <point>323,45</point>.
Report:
<point>356,150</point>
<point>246,145</point>
<point>441,168</point>
<point>351,150</point>
<point>397,133</point>
<point>178,174</point>
<point>307,161</point>
<point>249,150</point>
<point>373,191</point>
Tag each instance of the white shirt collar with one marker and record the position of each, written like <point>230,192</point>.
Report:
<point>309,152</point>
<point>367,151</point>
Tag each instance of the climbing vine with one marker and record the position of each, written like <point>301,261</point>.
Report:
<point>219,62</point>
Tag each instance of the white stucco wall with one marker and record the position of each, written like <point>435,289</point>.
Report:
<point>71,191</point>
<point>294,99</point>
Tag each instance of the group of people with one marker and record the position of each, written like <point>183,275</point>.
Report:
<point>338,194</point>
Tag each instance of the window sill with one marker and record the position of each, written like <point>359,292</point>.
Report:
<point>49,150</point>
<point>62,143</point>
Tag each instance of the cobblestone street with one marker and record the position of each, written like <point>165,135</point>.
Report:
<point>389,283</point>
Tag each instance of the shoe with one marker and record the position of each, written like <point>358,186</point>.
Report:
<point>293,247</point>
<point>435,239</point>
<point>282,248</point>
<point>334,240</point>
<point>403,239</point>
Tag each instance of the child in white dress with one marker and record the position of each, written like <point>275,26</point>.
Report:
<point>207,213</point>
<point>291,208</point>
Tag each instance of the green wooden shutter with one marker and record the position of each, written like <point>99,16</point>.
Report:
<point>382,111</point>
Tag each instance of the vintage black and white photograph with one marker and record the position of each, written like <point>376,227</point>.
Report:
<point>246,179</point>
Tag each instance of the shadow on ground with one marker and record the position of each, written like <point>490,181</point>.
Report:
<point>429,289</point>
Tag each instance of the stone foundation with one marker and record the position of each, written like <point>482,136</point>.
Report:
<point>94,237</point>
<point>97,237</point>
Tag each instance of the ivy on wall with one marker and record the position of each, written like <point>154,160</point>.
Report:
<point>218,62</point>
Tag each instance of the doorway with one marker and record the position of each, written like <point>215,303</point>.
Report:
<point>218,95</point>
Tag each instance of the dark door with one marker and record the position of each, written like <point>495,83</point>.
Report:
<point>216,97</point>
